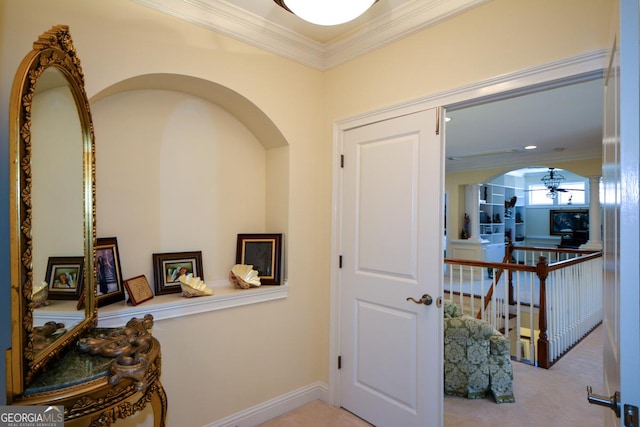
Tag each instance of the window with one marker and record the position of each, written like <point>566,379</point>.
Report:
<point>574,196</point>
<point>538,195</point>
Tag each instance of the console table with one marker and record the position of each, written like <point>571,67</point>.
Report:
<point>96,387</point>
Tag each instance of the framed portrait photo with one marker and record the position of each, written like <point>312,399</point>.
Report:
<point>108,271</point>
<point>168,267</point>
<point>264,253</point>
<point>65,277</point>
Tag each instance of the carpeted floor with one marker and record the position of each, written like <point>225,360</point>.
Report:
<point>317,414</point>
<point>544,397</point>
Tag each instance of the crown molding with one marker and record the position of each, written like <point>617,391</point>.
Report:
<point>232,21</point>
<point>395,25</point>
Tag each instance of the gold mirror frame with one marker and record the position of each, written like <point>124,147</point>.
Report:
<point>54,48</point>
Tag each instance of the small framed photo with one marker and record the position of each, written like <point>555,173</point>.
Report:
<point>264,252</point>
<point>138,289</point>
<point>65,277</point>
<point>108,270</point>
<point>168,267</point>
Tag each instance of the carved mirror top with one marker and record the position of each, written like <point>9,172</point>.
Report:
<point>50,122</point>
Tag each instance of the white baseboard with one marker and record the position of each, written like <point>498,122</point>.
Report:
<point>275,407</point>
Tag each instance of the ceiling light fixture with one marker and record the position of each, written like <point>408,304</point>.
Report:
<point>552,181</point>
<point>326,12</point>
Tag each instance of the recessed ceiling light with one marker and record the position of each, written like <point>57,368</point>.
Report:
<point>447,119</point>
<point>530,147</point>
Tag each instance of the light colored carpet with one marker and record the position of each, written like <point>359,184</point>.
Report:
<point>317,414</point>
<point>544,397</point>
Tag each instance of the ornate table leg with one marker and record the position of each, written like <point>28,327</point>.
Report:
<point>159,404</point>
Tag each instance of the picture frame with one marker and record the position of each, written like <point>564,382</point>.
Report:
<point>566,221</point>
<point>169,266</point>
<point>138,289</point>
<point>65,277</point>
<point>264,252</point>
<point>108,272</point>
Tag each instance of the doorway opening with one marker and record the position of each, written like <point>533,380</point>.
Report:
<point>488,138</point>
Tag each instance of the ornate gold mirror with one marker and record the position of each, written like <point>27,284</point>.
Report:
<point>52,198</point>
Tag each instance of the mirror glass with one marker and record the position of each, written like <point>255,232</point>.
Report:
<point>52,198</point>
<point>57,216</point>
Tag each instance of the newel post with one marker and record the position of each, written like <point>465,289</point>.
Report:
<point>542,270</point>
<point>507,258</point>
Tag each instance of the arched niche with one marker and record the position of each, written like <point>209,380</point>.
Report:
<point>240,107</point>
<point>185,164</point>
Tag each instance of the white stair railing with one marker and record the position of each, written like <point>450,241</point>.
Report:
<point>573,304</point>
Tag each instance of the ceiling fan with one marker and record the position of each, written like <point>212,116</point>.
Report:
<point>552,182</point>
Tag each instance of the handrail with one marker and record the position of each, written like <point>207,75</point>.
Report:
<point>572,261</point>
<point>498,275</point>
<point>562,250</point>
<point>495,265</point>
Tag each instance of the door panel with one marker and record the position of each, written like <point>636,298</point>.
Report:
<point>396,386</point>
<point>621,174</point>
<point>392,226</point>
<point>386,189</point>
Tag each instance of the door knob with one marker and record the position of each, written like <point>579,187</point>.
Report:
<point>612,402</point>
<point>426,300</point>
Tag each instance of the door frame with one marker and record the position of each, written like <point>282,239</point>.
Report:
<point>546,76</point>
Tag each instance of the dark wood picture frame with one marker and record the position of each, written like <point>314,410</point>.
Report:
<point>65,277</point>
<point>264,252</point>
<point>566,221</point>
<point>110,288</point>
<point>138,289</point>
<point>167,268</point>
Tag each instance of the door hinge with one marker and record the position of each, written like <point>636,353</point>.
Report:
<point>339,362</point>
<point>630,416</point>
<point>340,261</point>
<point>342,160</point>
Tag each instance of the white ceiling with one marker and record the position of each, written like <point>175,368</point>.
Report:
<point>565,123</point>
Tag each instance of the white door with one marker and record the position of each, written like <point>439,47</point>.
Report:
<point>621,316</point>
<point>392,249</point>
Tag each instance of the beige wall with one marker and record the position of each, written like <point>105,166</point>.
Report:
<point>499,37</point>
<point>180,171</point>
<point>220,363</point>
